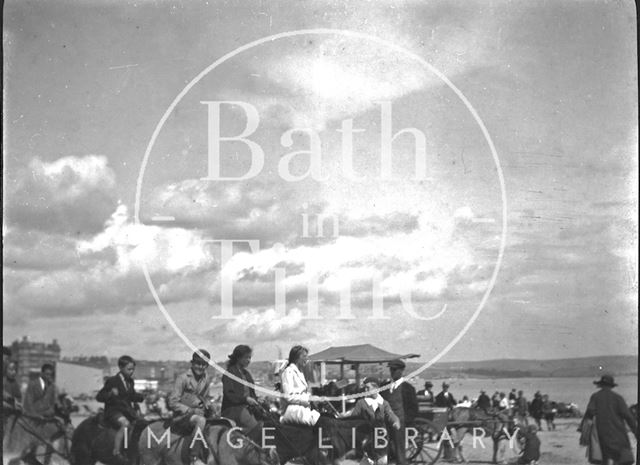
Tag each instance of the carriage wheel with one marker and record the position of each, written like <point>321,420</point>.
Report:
<point>425,448</point>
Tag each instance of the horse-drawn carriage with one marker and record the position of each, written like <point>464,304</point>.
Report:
<point>429,425</point>
<point>437,429</point>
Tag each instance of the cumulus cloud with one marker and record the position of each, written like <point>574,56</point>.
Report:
<point>69,195</point>
<point>168,250</point>
<point>261,326</point>
<point>106,274</point>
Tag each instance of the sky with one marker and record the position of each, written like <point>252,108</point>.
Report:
<point>410,264</point>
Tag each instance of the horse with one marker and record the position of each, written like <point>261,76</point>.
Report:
<point>26,434</point>
<point>498,425</point>
<point>147,444</point>
<point>227,445</point>
<point>340,437</point>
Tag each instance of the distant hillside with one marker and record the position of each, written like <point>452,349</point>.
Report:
<point>509,368</point>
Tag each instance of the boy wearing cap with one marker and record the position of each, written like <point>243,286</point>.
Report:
<point>611,414</point>
<point>374,408</point>
<point>189,403</point>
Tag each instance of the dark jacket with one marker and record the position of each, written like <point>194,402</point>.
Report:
<point>396,402</point>
<point>531,450</point>
<point>233,392</point>
<point>483,402</point>
<point>448,401</point>
<point>409,402</point>
<point>122,403</point>
<point>611,414</point>
<point>535,409</point>
<point>40,402</point>
<point>522,406</point>
<point>382,415</point>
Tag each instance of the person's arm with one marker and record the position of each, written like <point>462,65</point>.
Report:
<point>625,413</point>
<point>105,394</point>
<point>389,416</point>
<point>357,410</point>
<point>174,398</point>
<point>293,394</point>
<point>136,396</point>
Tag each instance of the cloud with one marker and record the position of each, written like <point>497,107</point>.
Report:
<point>37,250</point>
<point>166,250</point>
<point>230,210</point>
<point>73,195</point>
<point>106,275</point>
<point>261,326</point>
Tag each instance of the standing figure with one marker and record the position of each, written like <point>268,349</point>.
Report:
<point>512,398</point>
<point>483,402</point>
<point>190,404</point>
<point>549,412</point>
<point>531,446</point>
<point>445,398</point>
<point>41,396</point>
<point>120,399</point>
<point>495,400</point>
<point>396,395</point>
<point>535,409</point>
<point>239,400</point>
<point>521,409</point>
<point>504,402</point>
<point>611,413</point>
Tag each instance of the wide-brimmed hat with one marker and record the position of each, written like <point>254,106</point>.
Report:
<point>605,380</point>
<point>428,384</point>
<point>396,364</point>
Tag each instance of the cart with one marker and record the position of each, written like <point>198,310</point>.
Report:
<point>426,447</point>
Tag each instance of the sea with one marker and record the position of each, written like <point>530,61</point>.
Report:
<point>576,390</point>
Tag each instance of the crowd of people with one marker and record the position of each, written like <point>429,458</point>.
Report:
<point>540,408</point>
<point>394,407</point>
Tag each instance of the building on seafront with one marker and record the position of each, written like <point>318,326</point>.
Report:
<point>32,355</point>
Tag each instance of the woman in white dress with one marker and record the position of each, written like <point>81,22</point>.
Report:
<point>296,390</point>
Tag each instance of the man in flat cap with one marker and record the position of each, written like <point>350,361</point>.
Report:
<point>445,398</point>
<point>611,414</point>
<point>402,398</point>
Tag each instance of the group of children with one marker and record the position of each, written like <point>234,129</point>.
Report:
<point>190,405</point>
<point>188,401</point>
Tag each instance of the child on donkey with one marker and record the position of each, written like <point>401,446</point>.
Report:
<point>120,399</point>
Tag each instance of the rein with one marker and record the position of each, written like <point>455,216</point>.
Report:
<point>31,430</point>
